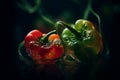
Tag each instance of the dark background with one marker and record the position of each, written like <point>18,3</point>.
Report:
<point>13,30</point>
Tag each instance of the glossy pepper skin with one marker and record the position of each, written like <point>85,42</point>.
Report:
<point>86,44</point>
<point>42,49</point>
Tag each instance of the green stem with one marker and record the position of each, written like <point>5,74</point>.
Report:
<point>87,10</point>
<point>26,5</point>
<point>98,18</point>
<point>44,39</point>
<point>19,48</point>
<point>87,13</point>
<point>21,55</point>
<point>45,18</point>
<point>61,23</point>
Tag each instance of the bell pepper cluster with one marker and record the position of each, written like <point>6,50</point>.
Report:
<point>82,39</point>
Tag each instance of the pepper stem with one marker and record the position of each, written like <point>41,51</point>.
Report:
<point>44,39</point>
<point>76,33</point>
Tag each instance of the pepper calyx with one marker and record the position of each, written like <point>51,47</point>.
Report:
<point>44,38</point>
<point>76,33</point>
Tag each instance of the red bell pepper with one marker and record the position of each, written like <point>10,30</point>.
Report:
<point>43,48</point>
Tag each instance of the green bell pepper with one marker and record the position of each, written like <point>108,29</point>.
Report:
<point>82,39</point>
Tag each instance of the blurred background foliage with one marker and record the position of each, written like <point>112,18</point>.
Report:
<point>28,15</point>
